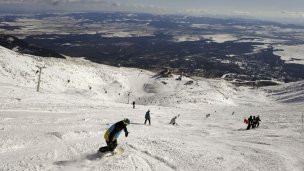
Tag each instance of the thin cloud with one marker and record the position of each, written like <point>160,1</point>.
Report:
<point>115,4</point>
<point>52,2</point>
<point>167,10</point>
<point>293,13</point>
<point>241,12</point>
<point>148,8</point>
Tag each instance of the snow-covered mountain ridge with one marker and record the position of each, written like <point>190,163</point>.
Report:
<point>70,76</point>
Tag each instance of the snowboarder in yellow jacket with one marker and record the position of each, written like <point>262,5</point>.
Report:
<point>113,133</point>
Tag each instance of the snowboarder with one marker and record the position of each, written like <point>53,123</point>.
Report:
<point>250,120</point>
<point>147,117</point>
<point>133,104</point>
<point>112,134</point>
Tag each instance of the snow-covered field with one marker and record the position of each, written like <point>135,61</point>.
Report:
<point>60,126</point>
<point>70,25</point>
<point>291,54</point>
<point>219,38</point>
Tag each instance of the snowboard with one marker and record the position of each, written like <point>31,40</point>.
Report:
<point>106,154</point>
<point>117,151</point>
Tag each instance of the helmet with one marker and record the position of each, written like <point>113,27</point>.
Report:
<point>126,121</point>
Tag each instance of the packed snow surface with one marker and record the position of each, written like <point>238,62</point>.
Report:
<point>59,127</point>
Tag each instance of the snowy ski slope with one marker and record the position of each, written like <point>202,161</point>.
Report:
<point>60,126</point>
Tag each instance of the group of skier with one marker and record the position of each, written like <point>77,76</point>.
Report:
<point>114,131</point>
<point>252,122</point>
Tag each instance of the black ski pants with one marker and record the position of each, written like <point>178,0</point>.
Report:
<point>148,119</point>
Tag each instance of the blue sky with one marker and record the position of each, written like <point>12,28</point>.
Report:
<point>268,9</point>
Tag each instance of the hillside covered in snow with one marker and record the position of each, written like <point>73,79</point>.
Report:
<point>58,127</point>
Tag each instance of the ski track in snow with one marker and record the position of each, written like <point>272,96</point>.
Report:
<point>62,127</point>
<point>154,162</point>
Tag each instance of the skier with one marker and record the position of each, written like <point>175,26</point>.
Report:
<point>257,120</point>
<point>133,104</point>
<point>147,117</point>
<point>173,122</point>
<point>250,120</point>
<point>112,134</point>
<point>245,121</point>
<point>253,122</point>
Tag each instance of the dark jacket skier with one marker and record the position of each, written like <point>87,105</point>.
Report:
<point>113,133</point>
<point>253,122</point>
<point>133,104</point>
<point>147,117</point>
<point>173,120</point>
<point>257,120</point>
<point>250,120</point>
